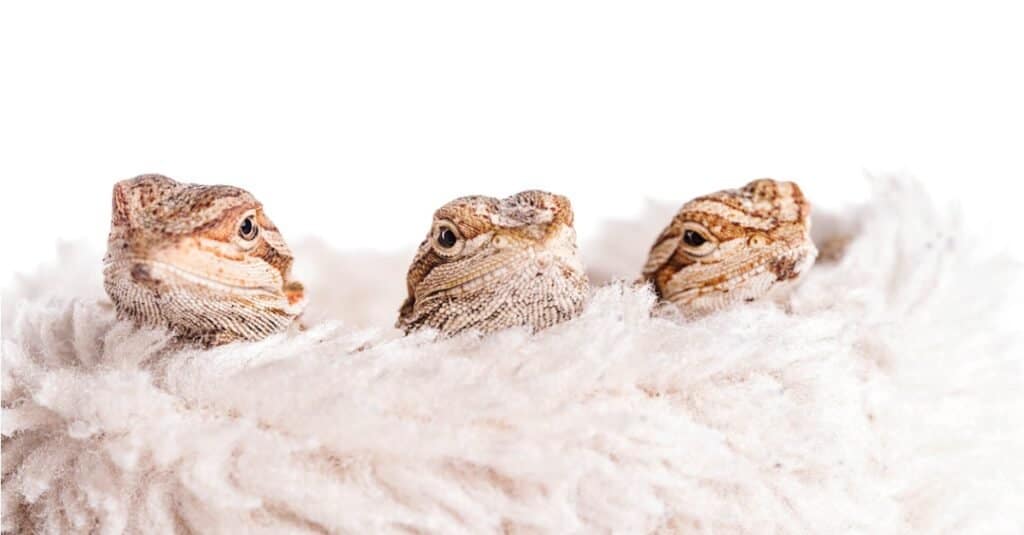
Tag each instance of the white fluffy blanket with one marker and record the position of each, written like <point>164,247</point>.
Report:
<point>886,395</point>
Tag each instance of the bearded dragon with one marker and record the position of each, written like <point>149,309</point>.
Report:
<point>488,264</point>
<point>203,261</point>
<point>732,246</point>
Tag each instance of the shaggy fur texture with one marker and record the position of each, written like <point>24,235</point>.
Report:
<point>884,395</point>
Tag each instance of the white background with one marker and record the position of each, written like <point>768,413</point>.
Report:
<point>354,121</point>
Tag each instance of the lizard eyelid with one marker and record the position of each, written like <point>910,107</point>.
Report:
<point>693,238</point>
<point>446,239</point>
<point>697,240</point>
<point>248,229</point>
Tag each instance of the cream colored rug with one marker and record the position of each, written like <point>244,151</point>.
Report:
<point>885,395</point>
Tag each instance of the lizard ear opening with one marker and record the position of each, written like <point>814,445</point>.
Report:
<point>446,239</point>
<point>697,240</point>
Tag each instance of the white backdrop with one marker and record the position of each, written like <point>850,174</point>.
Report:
<point>355,121</point>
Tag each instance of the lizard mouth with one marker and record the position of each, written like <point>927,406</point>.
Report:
<point>155,273</point>
<point>759,279</point>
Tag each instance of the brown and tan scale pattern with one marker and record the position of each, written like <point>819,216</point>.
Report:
<point>204,261</point>
<point>732,246</point>
<point>489,264</point>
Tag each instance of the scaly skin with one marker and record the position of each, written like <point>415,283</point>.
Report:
<point>732,246</point>
<point>489,264</point>
<point>203,261</point>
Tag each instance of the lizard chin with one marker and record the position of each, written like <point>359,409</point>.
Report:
<point>772,277</point>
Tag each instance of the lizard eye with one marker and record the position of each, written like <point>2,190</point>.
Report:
<point>248,229</point>
<point>446,238</point>
<point>697,240</point>
<point>694,238</point>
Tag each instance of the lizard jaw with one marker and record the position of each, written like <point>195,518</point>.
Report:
<point>156,275</point>
<point>769,276</point>
<point>155,272</point>
<point>197,308</point>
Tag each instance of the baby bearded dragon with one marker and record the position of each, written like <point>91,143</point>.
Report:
<point>731,246</point>
<point>203,261</point>
<point>488,264</point>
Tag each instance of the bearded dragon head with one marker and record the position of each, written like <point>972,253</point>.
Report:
<point>732,246</point>
<point>204,261</point>
<point>489,264</point>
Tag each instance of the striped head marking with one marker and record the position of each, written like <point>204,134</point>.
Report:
<point>204,261</point>
<point>489,264</point>
<point>732,246</point>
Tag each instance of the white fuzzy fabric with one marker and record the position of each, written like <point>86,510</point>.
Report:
<point>885,396</point>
